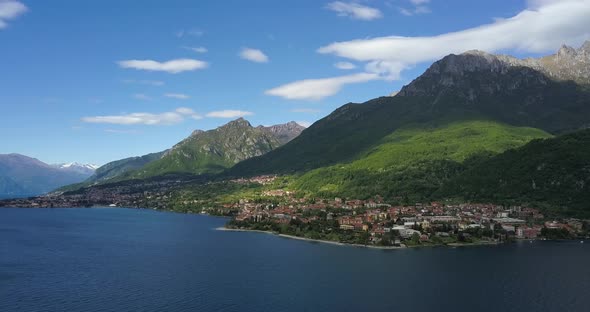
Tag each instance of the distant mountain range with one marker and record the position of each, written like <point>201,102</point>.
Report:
<point>86,169</point>
<point>25,176</point>
<point>472,127</point>
<point>202,152</point>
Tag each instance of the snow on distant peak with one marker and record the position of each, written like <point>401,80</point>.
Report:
<point>77,165</point>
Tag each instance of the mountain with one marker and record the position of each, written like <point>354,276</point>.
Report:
<point>552,173</point>
<point>25,176</point>
<point>85,169</point>
<point>115,170</point>
<point>206,152</point>
<point>9,188</point>
<point>549,93</point>
<point>414,161</point>
<point>122,167</point>
<point>438,138</point>
<point>284,133</point>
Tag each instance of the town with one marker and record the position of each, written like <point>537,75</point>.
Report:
<point>260,204</point>
<point>374,222</point>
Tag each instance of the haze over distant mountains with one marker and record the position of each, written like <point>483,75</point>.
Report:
<point>25,176</point>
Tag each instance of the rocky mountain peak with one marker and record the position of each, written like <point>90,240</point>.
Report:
<point>293,124</point>
<point>284,132</point>
<point>566,52</point>
<point>197,132</point>
<point>240,122</point>
<point>567,64</point>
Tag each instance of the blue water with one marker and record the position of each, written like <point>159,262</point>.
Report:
<point>141,260</point>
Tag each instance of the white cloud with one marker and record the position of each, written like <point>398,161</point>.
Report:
<point>306,124</point>
<point>538,29</point>
<point>188,112</point>
<point>178,96</point>
<point>317,89</point>
<point>141,96</point>
<point>419,2</point>
<point>354,10</point>
<point>253,55</point>
<point>166,118</point>
<point>10,10</point>
<point>229,114</point>
<point>197,49</point>
<point>185,111</point>
<point>344,65</point>
<point>305,110</point>
<point>172,66</point>
<point>155,83</point>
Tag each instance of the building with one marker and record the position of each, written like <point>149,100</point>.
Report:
<point>346,227</point>
<point>508,221</point>
<point>525,232</point>
<point>404,232</point>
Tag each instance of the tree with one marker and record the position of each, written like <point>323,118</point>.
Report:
<point>415,239</point>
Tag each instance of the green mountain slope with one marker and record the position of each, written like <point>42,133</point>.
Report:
<point>414,161</point>
<point>212,151</point>
<point>121,167</point>
<point>472,85</point>
<point>115,170</point>
<point>552,173</point>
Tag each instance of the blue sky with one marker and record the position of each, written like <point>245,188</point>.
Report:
<point>96,81</point>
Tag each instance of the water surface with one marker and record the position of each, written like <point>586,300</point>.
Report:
<point>141,260</point>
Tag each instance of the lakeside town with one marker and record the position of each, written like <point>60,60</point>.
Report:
<point>370,222</point>
<point>374,222</point>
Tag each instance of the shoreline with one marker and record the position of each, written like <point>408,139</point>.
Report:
<point>223,228</point>
<point>322,241</point>
<point>452,245</point>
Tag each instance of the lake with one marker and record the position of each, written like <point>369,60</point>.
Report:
<point>110,259</point>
